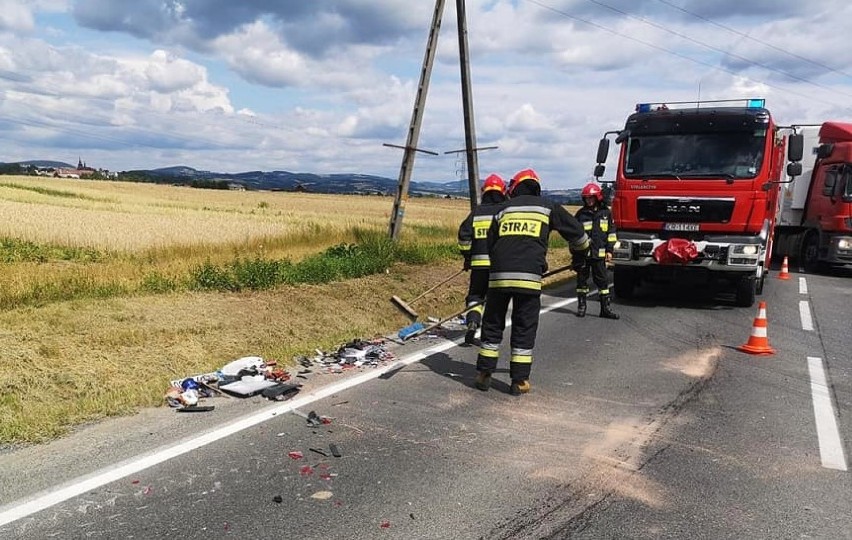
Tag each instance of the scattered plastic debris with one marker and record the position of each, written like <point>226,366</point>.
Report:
<point>335,450</point>
<point>322,495</point>
<point>295,454</point>
<point>385,524</point>
<point>278,499</point>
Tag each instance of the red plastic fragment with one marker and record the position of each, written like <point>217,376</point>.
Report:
<point>295,454</point>
<point>385,524</point>
<point>307,470</point>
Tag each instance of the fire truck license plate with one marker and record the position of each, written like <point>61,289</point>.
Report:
<point>681,226</point>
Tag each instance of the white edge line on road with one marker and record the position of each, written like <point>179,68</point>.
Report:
<point>805,314</point>
<point>803,286</point>
<point>78,486</point>
<point>830,447</point>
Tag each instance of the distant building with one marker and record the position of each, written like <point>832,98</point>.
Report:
<point>82,171</point>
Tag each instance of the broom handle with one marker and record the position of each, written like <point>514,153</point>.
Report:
<point>436,286</point>
<point>468,308</point>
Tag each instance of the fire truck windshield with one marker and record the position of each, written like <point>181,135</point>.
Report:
<point>727,155</point>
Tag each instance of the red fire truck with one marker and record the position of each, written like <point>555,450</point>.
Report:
<point>815,222</point>
<point>696,194</point>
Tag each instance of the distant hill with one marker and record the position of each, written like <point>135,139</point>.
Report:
<point>334,183</point>
<point>309,182</point>
<point>42,163</point>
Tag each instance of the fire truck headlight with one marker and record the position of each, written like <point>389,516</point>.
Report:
<point>844,244</point>
<point>744,249</point>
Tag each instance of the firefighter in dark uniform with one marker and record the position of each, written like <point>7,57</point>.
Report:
<point>517,247</point>
<point>597,222</point>
<point>473,246</point>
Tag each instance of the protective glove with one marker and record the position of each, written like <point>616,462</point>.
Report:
<point>579,259</point>
<point>466,265</point>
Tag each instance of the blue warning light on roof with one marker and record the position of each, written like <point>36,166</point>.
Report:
<point>643,107</point>
<point>756,103</point>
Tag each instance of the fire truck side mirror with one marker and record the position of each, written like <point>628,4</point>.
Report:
<point>794,169</point>
<point>795,147</point>
<point>603,151</point>
<point>622,136</point>
<point>599,170</point>
<point>824,150</point>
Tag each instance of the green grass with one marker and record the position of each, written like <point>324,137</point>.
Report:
<point>52,192</point>
<point>13,250</point>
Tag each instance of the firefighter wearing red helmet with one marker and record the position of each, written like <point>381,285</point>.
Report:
<point>473,246</point>
<point>597,222</point>
<point>517,247</point>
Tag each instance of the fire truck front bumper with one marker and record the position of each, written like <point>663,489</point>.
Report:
<point>722,254</point>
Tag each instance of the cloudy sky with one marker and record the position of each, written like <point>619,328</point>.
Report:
<point>319,86</point>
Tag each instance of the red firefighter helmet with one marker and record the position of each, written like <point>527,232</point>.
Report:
<point>593,190</point>
<point>520,176</point>
<point>494,183</point>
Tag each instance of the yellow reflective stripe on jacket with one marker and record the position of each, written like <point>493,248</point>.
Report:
<point>612,237</point>
<point>514,283</point>
<point>535,216</point>
<point>602,252</point>
<point>480,261</point>
<point>587,226</point>
<point>604,226</point>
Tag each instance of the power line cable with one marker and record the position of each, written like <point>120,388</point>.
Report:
<point>750,38</point>
<point>664,28</point>
<point>679,55</point>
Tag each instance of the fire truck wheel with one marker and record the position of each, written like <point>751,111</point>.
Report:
<point>746,291</point>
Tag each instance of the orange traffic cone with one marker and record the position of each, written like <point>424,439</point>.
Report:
<point>758,342</point>
<point>785,274</point>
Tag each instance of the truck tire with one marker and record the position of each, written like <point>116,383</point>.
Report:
<point>810,254</point>
<point>746,291</point>
<point>760,282</point>
<point>625,282</point>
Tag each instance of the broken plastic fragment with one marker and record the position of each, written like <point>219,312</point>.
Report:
<point>278,499</point>
<point>322,495</point>
<point>385,524</point>
<point>307,470</point>
<point>295,454</point>
<point>335,451</point>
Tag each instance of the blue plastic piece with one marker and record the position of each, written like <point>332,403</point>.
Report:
<point>410,329</point>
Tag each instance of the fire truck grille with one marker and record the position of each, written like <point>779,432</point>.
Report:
<point>685,210</point>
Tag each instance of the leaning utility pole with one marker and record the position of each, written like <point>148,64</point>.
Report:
<point>467,104</point>
<point>414,127</point>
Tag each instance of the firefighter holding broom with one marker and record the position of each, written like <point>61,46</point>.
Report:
<point>517,249</point>
<point>472,235</point>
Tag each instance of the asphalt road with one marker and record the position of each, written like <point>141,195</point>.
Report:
<point>653,426</point>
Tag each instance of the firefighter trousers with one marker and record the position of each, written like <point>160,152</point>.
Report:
<point>525,309</point>
<point>597,269</point>
<point>476,292</point>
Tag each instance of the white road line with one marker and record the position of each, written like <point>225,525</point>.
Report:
<point>803,286</point>
<point>830,447</point>
<point>805,314</point>
<point>53,496</point>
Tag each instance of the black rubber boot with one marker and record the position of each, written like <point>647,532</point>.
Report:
<point>483,381</point>
<point>470,335</point>
<point>519,387</point>
<point>581,305</point>
<point>606,310</point>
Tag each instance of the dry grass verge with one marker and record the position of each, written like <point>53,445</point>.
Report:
<point>74,362</point>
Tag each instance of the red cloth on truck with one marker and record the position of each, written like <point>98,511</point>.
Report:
<point>676,251</point>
